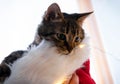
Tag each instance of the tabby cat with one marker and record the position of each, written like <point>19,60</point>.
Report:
<point>59,48</point>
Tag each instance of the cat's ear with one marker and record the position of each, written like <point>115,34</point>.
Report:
<point>53,13</point>
<point>81,17</point>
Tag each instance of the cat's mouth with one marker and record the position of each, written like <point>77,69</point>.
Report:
<point>65,51</point>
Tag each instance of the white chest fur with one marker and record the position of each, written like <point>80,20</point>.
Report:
<point>43,65</point>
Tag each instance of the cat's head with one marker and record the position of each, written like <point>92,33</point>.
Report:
<point>61,29</point>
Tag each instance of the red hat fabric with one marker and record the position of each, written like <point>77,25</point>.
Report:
<point>84,74</point>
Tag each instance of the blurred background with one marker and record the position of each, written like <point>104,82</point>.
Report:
<point>19,20</point>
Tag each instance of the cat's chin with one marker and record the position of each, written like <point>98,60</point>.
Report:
<point>67,53</point>
<point>64,52</point>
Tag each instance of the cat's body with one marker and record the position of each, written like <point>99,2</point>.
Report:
<point>44,65</point>
<point>7,63</point>
<point>61,47</point>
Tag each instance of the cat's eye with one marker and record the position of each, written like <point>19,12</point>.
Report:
<point>61,36</point>
<point>77,39</point>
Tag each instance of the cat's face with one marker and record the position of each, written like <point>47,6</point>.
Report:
<point>61,29</point>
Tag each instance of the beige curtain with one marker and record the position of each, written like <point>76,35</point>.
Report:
<point>100,70</point>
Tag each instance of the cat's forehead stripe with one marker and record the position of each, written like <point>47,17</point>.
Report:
<point>71,26</point>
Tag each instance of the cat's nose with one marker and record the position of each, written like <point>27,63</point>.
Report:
<point>69,49</point>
